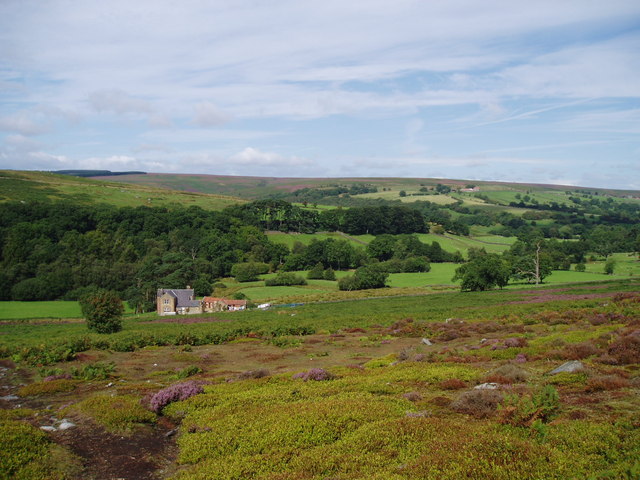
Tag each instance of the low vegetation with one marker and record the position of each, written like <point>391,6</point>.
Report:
<point>422,382</point>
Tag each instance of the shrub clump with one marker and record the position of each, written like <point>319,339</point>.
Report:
<point>412,396</point>
<point>103,311</point>
<point>579,351</point>
<point>452,384</point>
<point>511,373</point>
<point>601,383</point>
<point>188,372</point>
<point>626,349</point>
<point>260,373</point>
<point>315,374</point>
<point>174,393</point>
<point>524,411</point>
<point>285,279</point>
<point>479,403</point>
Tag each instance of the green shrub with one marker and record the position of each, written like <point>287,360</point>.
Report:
<point>103,311</point>
<point>285,279</point>
<point>317,272</point>
<point>188,372</point>
<point>94,371</point>
<point>329,274</point>
<point>523,411</point>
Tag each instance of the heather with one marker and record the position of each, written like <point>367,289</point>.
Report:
<point>435,387</point>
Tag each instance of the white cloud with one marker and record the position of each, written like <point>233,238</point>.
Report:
<point>23,123</point>
<point>208,115</point>
<point>119,102</point>
<point>252,156</point>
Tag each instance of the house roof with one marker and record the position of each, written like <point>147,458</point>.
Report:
<point>184,296</point>
<point>236,303</point>
<point>227,301</point>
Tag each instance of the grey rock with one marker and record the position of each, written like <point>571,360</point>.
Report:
<point>569,367</point>
<point>426,341</point>
<point>9,398</point>
<point>48,428</point>
<point>66,425</point>
<point>486,386</point>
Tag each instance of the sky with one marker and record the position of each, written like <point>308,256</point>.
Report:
<point>523,91</point>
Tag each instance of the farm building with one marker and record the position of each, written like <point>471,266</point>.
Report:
<point>213,304</point>
<point>177,301</point>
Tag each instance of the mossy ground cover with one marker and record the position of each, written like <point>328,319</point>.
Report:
<point>390,409</point>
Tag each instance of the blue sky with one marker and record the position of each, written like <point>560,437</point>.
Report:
<point>544,91</point>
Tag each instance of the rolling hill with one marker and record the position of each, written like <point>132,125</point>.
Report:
<point>32,186</point>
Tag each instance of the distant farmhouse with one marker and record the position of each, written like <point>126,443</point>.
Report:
<point>177,301</point>
<point>183,302</point>
<point>213,304</point>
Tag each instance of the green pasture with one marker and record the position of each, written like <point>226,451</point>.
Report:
<point>409,198</point>
<point>625,264</point>
<point>452,243</point>
<point>55,309</point>
<point>34,310</point>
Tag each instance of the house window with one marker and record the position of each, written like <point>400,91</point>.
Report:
<point>166,301</point>
<point>167,309</point>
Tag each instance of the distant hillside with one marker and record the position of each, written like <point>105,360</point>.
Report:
<point>260,187</point>
<point>95,173</point>
<point>41,186</point>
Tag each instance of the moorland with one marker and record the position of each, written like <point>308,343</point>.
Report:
<point>414,328</point>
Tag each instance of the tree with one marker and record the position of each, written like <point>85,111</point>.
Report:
<point>609,266</point>
<point>103,311</point>
<point>317,272</point>
<point>248,272</point>
<point>329,274</point>
<point>370,276</point>
<point>483,272</point>
<point>202,286</point>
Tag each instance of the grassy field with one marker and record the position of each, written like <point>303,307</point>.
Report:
<point>35,310</point>
<point>57,309</point>
<point>453,243</point>
<point>409,198</point>
<point>31,186</point>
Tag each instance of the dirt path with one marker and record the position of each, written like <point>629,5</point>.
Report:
<point>148,454</point>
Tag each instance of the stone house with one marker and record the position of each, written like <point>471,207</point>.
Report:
<point>177,302</point>
<point>214,304</point>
